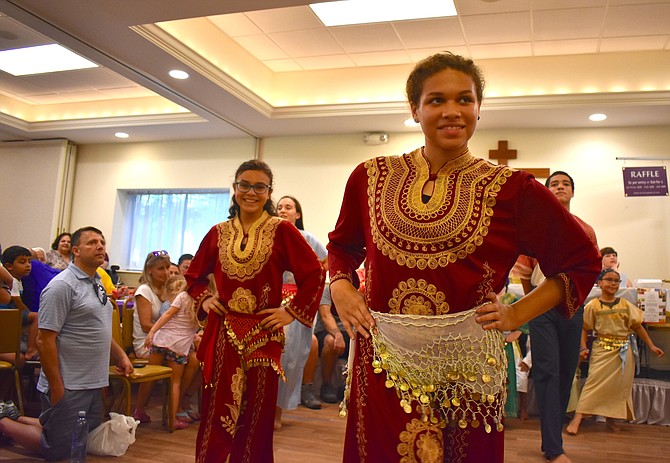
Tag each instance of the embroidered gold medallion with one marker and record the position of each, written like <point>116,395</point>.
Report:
<point>243,301</point>
<point>421,442</point>
<point>418,297</point>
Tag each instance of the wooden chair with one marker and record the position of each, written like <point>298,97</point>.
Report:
<point>10,342</point>
<point>144,374</point>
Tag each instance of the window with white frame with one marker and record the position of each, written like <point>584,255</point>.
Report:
<point>171,220</point>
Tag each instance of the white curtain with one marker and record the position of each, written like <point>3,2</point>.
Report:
<point>172,221</point>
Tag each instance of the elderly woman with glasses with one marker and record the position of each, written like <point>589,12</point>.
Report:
<point>244,335</point>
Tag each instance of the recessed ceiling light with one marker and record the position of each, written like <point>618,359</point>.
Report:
<point>42,59</point>
<point>373,11</point>
<point>178,74</point>
<point>121,135</point>
<point>598,117</point>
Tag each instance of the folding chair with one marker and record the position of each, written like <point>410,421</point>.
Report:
<point>10,342</point>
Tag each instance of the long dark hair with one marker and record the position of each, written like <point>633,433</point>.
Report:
<point>298,208</point>
<point>253,164</point>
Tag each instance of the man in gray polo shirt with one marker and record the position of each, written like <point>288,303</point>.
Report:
<point>75,344</point>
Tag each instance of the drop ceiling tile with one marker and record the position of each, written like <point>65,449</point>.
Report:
<point>497,28</point>
<point>470,7</point>
<point>282,65</point>
<point>82,96</point>
<point>47,99</point>
<point>98,78</point>
<point>235,25</point>
<point>418,54</point>
<point>501,50</point>
<point>285,19</point>
<point>261,46</point>
<point>635,2</point>
<point>430,33</point>
<point>654,42</point>
<point>18,86</point>
<point>565,47</point>
<point>125,93</point>
<point>624,21</point>
<point>380,58</point>
<point>567,24</point>
<point>366,38</point>
<point>538,5</point>
<point>325,62</point>
<point>58,82</point>
<point>308,42</point>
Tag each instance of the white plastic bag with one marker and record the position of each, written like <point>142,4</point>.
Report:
<point>113,437</point>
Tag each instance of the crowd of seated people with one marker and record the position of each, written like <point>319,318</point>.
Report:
<point>25,272</point>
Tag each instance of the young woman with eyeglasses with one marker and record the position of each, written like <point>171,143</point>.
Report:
<point>608,388</point>
<point>243,338</point>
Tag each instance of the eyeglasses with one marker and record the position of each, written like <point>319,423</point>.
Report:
<point>100,292</point>
<point>612,280</point>
<point>244,187</point>
<point>159,253</point>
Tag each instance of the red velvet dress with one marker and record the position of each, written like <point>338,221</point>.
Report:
<point>442,257</point>
<point>240,360</point>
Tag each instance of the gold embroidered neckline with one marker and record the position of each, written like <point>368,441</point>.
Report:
<point>450,226</point>
<point>242,264</point>
<point>464,157</point>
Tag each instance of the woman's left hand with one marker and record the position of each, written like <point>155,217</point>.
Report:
<point>276,318</point>
<point>497,316</point>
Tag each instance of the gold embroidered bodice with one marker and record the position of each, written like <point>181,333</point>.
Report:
<point>451,225</point>
<point>243,264</point>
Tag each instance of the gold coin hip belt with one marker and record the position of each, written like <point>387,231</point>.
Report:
<point>446,367</point>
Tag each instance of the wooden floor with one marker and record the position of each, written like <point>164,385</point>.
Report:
<point>316,436</point>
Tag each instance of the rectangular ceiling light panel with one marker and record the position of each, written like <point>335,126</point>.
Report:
<point>42,59</point>
<point>348,12</point>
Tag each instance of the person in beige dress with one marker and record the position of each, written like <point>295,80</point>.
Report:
<point>609,386</point>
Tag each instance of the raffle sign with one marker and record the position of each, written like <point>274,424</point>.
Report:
<point>645,181</point>
<point>653,303</point>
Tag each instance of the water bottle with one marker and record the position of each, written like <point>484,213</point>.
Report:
<point>79,439</point>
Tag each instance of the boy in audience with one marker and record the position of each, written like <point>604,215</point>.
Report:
<point>16,260</point>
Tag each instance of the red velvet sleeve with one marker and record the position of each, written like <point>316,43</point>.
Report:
<point>556,239</point>
<point>309,274</point>
<point>201,266</point>
<point>346,247</point>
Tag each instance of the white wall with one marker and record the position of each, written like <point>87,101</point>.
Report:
<point>33,183</point>
<point>103,170</point>
<point>315,170</point>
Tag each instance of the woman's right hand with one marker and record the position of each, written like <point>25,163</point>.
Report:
<point>213,303</point>
<point>351,308</point>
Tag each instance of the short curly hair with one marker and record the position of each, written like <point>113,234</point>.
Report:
<point>437,63</point>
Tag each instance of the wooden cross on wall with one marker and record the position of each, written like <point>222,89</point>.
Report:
<point>503,154</point>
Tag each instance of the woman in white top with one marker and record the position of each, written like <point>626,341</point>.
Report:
<point>149,298</point>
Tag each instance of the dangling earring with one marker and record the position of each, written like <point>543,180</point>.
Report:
<point>479,117</point>
<point>416,119</point>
